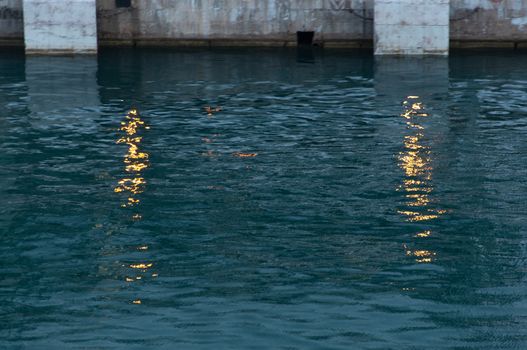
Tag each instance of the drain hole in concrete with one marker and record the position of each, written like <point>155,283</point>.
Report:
<point>304,38</point>
<point>123,3</point>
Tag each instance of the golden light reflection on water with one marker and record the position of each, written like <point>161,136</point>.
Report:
<point>135,162</point>
<point>421,256</point>
<point>244,155</point>
<point>425,233</point>
<point>415,161</point>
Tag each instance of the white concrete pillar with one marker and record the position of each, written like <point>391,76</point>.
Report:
<point>411,27</point>
<point>60,26</point>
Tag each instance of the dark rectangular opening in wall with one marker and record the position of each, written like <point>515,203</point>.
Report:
<point>304,38</point>
<point>123,3</point>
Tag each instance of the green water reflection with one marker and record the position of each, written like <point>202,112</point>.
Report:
<point>311,211</point>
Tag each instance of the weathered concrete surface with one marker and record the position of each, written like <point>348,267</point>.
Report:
<point>11,24</point>
<point>488,23</point>
<point>473,23</point>
<point>60,26</point>
<point>411,27</point>
<point>235,22</point>
<point>117,26</point>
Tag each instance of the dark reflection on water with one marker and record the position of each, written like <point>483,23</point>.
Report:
<point>317,209</point>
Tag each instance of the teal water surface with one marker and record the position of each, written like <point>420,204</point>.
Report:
<point>336,201</point>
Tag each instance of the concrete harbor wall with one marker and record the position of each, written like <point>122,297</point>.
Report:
<point>488,23</point>
<point>11,23</point>
<point>343,23</point>
<point>236,22</point>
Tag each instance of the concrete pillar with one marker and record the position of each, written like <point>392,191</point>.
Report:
<point>60,26</point>
<point>411,27</point>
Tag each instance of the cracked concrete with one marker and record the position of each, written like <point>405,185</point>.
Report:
<point>473,23</point>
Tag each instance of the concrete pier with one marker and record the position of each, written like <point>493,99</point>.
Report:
<point>399,27</point>
<point>60,26</point>
<point>411,27</point>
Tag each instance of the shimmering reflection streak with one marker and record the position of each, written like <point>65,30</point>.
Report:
<point>414,160</point>
<point>134,183</point>
<point>135,160</point>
